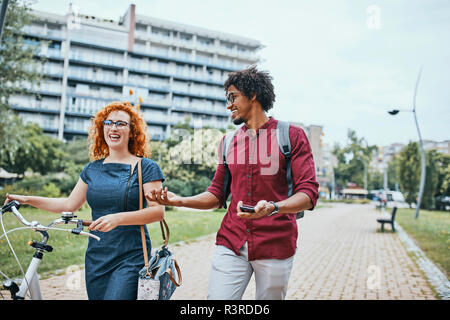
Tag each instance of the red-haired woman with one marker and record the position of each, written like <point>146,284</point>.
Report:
<point>109,183</point>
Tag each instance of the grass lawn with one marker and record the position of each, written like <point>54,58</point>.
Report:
<point>431,232</point>
<point>69,249</point>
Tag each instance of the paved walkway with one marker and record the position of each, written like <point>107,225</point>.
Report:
<point>340,255</point>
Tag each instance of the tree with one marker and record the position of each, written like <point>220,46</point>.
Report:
<point>18,70</point>
<point>38,152</point>
<point>188,159</point>
<point>352,160</point>
<point>409,171</point>
<point>443,173</point>
<point>77,150</point>
<point>431,180</point>
<point>392,173</point>
<point>12,137</point>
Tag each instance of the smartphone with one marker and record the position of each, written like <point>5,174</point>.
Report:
<point>247,208</point>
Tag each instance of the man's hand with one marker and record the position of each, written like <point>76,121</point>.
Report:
<point>164,197</point>
<point>262,209</point>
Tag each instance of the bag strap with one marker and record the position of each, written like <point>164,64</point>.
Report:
<point>163,223</point>
<point>285,146</point>
<point>227,178</point>
<point>284,143</point>
<point>141,204</point>
<point>172,278</point>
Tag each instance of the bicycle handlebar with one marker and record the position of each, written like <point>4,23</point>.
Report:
<point>66,217</point>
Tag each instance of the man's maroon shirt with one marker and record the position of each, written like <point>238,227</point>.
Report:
<point>258,171</point>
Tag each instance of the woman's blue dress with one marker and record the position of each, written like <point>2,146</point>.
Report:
<point>112,264</point>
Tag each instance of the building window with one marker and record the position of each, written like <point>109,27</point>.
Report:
<point>160,32</point>
<point>205,41</point>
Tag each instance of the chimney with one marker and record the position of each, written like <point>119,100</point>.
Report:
<point>132,24</point>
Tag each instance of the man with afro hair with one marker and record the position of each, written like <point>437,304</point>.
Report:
<point>264,241</point>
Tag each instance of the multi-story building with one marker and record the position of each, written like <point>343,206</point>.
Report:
<point>177,70</point>
<point>385,154</point>
<point>314,134</point>
<point>440,146</point>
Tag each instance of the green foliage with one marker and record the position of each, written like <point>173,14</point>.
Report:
<point>49,190</point>
<point>18,70</point>
<point>77,151</point>
<point>431,180</point>
<point>409,171</point>
<point>352,159</point>
<point>182,188</point>
<point>443,174</point>
<point>188,188</point>
<point>188,159</point>
<point>12,135</point>
<point>375,180</point>
<point>35,185</point>
<point>38,152</point>
<point>431,232</point>
<point>392,172</point>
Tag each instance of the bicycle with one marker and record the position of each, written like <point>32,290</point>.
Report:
<point>30,280</point>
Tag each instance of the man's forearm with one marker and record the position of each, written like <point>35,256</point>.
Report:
<point>205,200</point>
<point>296,203</point>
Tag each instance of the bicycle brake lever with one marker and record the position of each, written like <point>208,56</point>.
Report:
<point>7,207</point>
<point>79,227</point>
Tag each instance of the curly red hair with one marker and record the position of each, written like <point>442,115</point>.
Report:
<point>139,136</point>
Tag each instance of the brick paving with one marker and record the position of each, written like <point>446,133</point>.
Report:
<point>341,255</point>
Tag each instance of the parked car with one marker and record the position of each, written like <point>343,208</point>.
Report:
<point>442,203</point>
<point>396,199</point>
<point>392,198</point>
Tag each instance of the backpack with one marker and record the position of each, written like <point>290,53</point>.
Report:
<point>285,146</point>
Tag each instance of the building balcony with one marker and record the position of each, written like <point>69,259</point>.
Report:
<point>44,32</point>
<point>102,60</point>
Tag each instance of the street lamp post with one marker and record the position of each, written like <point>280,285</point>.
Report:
<point>422,151</point>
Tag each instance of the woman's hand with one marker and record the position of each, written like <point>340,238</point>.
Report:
<point>19,198</point>
<point>163,197</point>
<point>105,223</point>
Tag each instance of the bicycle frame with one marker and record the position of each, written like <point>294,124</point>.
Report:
<point>30,282</point>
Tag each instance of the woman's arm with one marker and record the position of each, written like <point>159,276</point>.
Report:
<point>153,213</point>
<point>72,203</point>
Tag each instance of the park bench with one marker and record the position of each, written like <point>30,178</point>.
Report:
<point>387,220</point>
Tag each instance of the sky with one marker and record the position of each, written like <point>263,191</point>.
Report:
<point>338,64</point>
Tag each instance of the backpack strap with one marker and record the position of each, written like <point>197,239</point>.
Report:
<point>285,146</point>
<point>284,143</point>
<point>227,178</point>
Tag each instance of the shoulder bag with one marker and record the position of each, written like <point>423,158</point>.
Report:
<point>156,278</point>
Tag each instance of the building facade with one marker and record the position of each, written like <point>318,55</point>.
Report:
<point>176,70</point>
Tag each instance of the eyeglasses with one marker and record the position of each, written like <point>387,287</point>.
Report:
<point>231,96</point>
<point>120,124</point>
